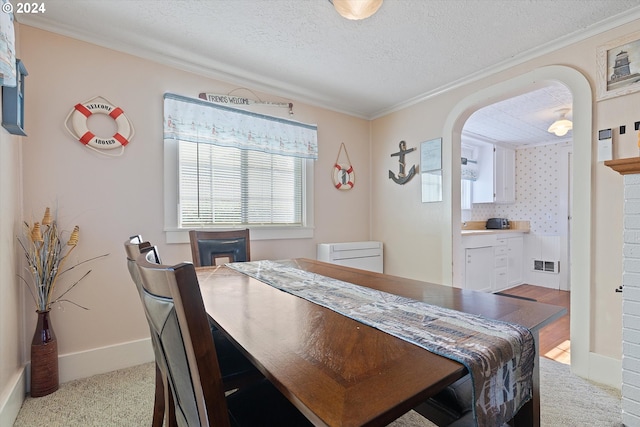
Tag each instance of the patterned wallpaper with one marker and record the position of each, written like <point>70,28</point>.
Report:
<point>537,192</point>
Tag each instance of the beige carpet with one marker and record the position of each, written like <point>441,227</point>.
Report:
<point>125,398</point>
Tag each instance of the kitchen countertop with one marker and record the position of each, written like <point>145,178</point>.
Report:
<point>497,231</point>
<point>469,228</point>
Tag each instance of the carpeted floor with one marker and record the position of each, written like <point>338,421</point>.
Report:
<point>125,398</point>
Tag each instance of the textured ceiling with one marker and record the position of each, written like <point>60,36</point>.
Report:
<point>302,50</point>
<point>522,120</point>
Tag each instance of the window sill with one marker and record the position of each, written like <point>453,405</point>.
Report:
<point>257,233</point>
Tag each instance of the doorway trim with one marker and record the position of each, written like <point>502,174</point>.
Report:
<point>581,204</point>
<point>565,160</point>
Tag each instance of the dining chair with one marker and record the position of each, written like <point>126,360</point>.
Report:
<point>171,295</point>
<point>207,247</point>
<point>133,248</point>
<point>451,407</point>
<point>237,370</point>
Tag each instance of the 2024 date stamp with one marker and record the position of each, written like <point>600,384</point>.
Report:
<point>29,7</point>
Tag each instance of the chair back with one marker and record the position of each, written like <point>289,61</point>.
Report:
<point>172,299</point>
<point>133,246</point>
<point>209,246</point>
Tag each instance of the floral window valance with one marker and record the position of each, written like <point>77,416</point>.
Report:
<point>196,120</point>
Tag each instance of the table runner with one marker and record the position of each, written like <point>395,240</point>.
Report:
<point>499,355</point>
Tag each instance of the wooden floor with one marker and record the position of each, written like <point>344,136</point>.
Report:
<point>554,338</point>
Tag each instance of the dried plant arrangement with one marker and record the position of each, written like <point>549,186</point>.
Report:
<point>47,252</point>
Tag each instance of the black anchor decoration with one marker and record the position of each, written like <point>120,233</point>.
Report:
<point>403,177</point>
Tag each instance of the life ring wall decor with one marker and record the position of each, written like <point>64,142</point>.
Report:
<point>76,124</point>
<point>343,175</point>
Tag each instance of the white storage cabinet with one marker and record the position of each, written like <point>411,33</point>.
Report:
<point>493,262</point>
<point>496,181</point>
<point>362,255</point>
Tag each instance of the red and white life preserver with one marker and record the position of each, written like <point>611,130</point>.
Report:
<point>79,116</point>
<point>343,177</point>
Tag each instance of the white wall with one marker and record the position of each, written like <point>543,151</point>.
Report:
<point>113,198</point>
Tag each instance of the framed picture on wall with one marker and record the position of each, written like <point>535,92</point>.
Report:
<point>618,65</point>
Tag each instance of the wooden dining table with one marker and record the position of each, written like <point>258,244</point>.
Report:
<point>338,371</point>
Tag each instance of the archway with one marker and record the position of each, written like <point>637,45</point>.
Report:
<point>581,237</point>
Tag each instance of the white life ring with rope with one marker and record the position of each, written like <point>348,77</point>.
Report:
<point>343,177</point>
<point>79,116</point>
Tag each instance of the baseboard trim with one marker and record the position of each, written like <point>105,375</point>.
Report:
<point>12,401</point>
<point>83,364</point>
<point>605,370</point>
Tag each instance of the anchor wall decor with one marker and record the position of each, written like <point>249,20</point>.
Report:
<point>403,177</point>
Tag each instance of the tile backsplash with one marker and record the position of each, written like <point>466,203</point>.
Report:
<point>537,192</point>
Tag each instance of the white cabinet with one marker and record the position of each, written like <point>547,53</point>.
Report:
<point>482,191</point>
<point>493,262</point>
<point>508,262</point>
<point>504,175</point>
<point>515,252</point>
<point>496,181</point>
<point>362,255</point>
<point>501,266</point>
<point>477,276</point>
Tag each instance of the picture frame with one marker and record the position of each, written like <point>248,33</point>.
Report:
<point>618,67</point>
<point>431,170</point>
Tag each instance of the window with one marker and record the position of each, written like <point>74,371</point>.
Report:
<point>226,186</point>
<point>228,168</point>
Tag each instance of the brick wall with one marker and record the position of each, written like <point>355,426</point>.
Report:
<point>631,303</point>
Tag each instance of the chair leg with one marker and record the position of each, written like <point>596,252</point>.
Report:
<point>171,412</point>
<point>169,404</point>
<point>158,405</point>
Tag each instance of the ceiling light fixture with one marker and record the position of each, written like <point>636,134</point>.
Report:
<point>356,9</point>
<point>562,125</point>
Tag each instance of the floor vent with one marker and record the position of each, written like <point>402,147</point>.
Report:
<point>546,266</point>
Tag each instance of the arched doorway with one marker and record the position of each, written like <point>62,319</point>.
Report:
<point>581,174</point>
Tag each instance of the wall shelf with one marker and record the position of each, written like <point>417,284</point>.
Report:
<point>625,166</point>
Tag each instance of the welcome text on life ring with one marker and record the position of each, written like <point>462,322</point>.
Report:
<point>81,114</point>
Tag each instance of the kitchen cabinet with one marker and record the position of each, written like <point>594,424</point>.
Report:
<point>493,262</point>
<point>477,276</point>
<point>508,262</point>
<point>515,260</point>
<point>504,175</point>
<point>496,181</point>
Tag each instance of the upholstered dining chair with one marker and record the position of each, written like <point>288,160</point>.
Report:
<point>237,370</point>
<point>451,407</point>
<point>172,298</point>
<point>133,248</point>
<point>207,247</point>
